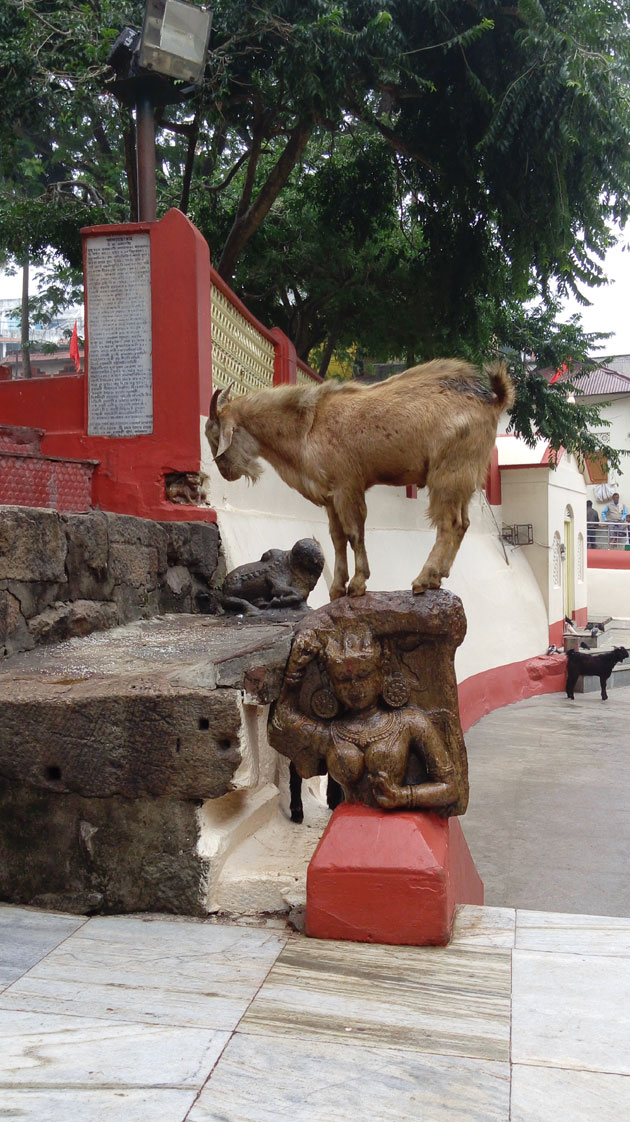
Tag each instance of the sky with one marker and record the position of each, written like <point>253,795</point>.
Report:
<point>609,310</point>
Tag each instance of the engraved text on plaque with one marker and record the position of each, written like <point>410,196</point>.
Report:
<point>120,373</point>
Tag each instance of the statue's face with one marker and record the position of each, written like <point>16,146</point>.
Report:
<point>358,688</point>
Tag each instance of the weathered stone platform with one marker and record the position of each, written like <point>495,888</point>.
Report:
<point>109,747</point>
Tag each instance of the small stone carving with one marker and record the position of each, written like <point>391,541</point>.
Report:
<point>370,692</point>
<point>184,487</point>
<point>281,579</point>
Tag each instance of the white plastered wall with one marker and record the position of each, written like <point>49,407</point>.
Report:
<point>507,618</point>
<point>541,496</point>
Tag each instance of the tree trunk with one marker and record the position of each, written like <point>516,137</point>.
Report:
<point>26,357</point>
<point>246,224</point>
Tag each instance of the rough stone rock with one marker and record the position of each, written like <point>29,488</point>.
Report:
<point>137,711</point>
<point>89,576</point>
<point>193,544</point>
<point>70,620</point>
<point>69,853</point>
<point>34,596</point>
<point>32,545</point>
<point>126,530</point>
<point>14,634</point>
<point>176,594</point>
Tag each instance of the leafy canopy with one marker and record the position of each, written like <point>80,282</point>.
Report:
<point>394,175</point>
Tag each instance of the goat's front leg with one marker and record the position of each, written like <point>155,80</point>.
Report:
<point>340,543</point>
<point>450,516</point>
<point>352,512</point>
<point>602,681</point>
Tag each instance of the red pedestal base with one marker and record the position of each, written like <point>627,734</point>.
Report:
<point>389,877</point>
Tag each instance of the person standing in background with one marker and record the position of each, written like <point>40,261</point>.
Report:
<point>615,512</point>
<point>591,518</point>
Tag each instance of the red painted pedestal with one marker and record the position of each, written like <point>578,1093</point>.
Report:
<point>389,877</point>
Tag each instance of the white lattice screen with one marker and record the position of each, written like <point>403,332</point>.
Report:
<point>240,354</point>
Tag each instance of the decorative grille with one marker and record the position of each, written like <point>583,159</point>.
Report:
<point>556,564</point>
<point>580,557</point>
<point>240,354</point>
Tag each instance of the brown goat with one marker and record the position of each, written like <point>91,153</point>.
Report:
<point>434,426</point>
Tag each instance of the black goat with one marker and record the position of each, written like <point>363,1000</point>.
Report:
<point>599,665</point>
<point>334,794</point>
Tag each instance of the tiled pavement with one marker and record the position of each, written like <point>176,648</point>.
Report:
<point>525,1016</point>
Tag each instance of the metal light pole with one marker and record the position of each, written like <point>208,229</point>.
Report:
<point>145,155</point>
<point>171,48</point>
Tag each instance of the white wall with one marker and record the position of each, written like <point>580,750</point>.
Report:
<point>507,618</point>
<point>540,495</point>
<point>616,417</point>
<point>609,593</point>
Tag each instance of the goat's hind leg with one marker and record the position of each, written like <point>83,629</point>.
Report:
<point>452,521</point>
<point>602,681</point>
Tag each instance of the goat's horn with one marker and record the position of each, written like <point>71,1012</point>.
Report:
<point>219,400</point>
<point>213,405</point>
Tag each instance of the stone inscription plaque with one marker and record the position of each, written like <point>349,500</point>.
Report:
<point>120,371</point>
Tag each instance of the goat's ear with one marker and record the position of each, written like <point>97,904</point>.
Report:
<point>225,439</point>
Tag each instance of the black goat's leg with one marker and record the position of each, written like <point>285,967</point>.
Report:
<point>295,790</point>
<point>572,678</point>
<point>602,682</point>
<point>334,793</point>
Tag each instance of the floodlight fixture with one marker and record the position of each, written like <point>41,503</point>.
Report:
<point>174,41</point>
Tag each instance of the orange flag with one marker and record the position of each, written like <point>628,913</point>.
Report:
<point>74,348</point>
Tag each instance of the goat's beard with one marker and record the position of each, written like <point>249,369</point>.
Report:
<point>253,471</point>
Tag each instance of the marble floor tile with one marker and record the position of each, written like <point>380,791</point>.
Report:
<point>448,1000</point>
<point>476,926</point>
<point>27,935</point>
<point>61,1050</point>
<point>555,1095</point>
<point>573,934</point>
<point>288,1079</point>
<point>571,1011</point>
<point>150,970</point>
<point>144,1105</point>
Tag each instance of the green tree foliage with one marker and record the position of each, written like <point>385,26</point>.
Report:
<point>400,175</point>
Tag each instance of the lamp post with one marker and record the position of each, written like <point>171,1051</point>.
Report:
<point>172,47</point>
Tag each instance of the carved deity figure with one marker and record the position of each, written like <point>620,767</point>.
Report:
<point>345,707</point>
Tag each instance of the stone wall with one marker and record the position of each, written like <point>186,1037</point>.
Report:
<point>66,575</point>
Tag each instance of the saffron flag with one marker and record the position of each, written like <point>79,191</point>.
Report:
<point>564,369</point>
<point>74,348</point>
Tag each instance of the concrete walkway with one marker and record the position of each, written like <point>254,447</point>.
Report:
<point>549,817</point>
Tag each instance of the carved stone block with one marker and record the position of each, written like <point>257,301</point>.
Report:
<point>370,695</point>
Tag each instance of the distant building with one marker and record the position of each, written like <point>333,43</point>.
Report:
<point>43,364</point>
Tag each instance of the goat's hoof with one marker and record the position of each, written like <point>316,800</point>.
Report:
<point>421,584</point>
<point>336,592</point>
<point>297,816</point>
<point>357,589</point>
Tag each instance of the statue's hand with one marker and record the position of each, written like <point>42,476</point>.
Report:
<point>387,794</point>
<point>306,647</point>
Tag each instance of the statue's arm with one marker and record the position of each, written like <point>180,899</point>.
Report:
<point>441,789</point>
<point>291,732</point>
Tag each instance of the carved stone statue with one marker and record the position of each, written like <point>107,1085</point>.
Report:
<point>370,692</point>
<point>281,579</point>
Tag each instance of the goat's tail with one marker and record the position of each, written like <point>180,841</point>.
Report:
<point>502,385</point>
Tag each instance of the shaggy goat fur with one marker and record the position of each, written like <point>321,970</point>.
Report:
<point>434,426</point>
<point>600,665</point>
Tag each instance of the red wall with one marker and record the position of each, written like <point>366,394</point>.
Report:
<point>492,689</point>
